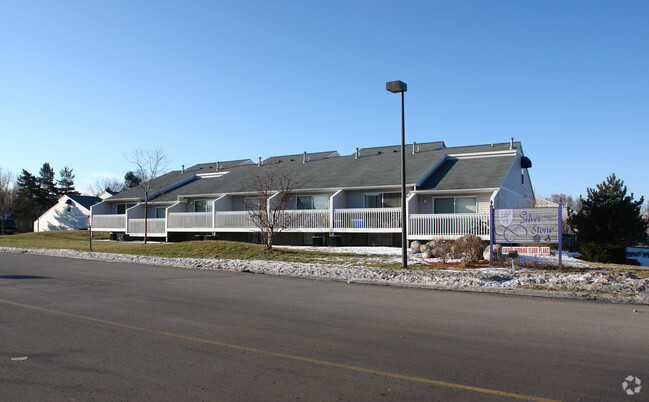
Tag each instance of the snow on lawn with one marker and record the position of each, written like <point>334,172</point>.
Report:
<point>367,250</point>
<point>567,259</point>
<point>590,284</point>
<point>641,254</point>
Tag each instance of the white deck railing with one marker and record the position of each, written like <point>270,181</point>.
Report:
<point>189,220</point>
<point>309,218</point>
<point>367,218</point>
<point>111,222</point>
<point>155,226</point>
<point>233,220</point>
<point>362,220</point>
<point>448,225</point>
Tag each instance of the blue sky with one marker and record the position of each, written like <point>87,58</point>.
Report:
<point>83,83</point>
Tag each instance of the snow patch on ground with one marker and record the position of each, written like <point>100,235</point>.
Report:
<point>621,287</point>
<point>640,254</point>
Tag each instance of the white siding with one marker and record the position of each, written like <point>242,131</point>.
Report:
<point>238,203</point>
<point>484,200</point>
<point>59,218</point>
<point>514,192</point>
<point>355,199</point>
<point>425,204</point>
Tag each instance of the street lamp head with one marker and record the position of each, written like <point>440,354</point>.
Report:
<point>396,86</point>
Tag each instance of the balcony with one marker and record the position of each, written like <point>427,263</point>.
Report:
<point>367,220</point>
<point>109,223</point>
<point>155,227</point>
<point>309,219</point>
<point>233,221</point>
<point>352,220</point>
<point>189,221</point>
<point>448,226</point>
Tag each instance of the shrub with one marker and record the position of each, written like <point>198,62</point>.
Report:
<point>598,252</point>
<point>470,246</point>
<point>440,248</point>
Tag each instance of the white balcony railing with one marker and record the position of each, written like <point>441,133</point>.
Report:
<point>233,220</point>
<point>309,218</point>
<point>189,220</point>
<point>155,226</point>
<point>363,220</point>
<point>109,222</point>
<point>367,218</point>
<point>449,225</point>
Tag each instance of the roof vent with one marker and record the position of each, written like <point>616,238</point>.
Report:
<point>511,142</point>
<point>259,163</point>
<point>358,153</point>
<point>304,160</point>
<point>182,170</point>
<point>414,147</point>
<point>218,166</point>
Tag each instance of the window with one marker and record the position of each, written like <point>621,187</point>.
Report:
<point>121,208</point>
<point>202,206</point>
<point>444,205</point>
<point>253,204</point>
<point>523,176</point>
<point>465,205</point>
<point>391,200</point>
<point>455,205</point>
<point>373,200</point>
<point>312,202</point>
<point>160,212</point>
<point>382,200</point>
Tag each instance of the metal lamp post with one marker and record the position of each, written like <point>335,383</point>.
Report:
<point>402,87</point>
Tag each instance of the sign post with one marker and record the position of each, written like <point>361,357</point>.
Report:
<point>90,231</point>
<point>560,223</point>
<point>491,234</point>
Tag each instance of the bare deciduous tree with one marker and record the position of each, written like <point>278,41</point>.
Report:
<point>149,165</point>
<point>104,184</point>
<point>7,195</point>
<point>268,203</point>
<point>567,201</point>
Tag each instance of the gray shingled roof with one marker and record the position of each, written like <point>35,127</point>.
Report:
<point>376,167</point>
<point>163,181</point>
<point>85,200</point>
<point>458,174</point>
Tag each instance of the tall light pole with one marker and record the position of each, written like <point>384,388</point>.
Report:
<point>402,87</point>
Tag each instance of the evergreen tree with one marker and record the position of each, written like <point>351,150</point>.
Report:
<point>131,180</point>
<point>26,209</point>
<point>609,216</point>
<point>47,194</point>
<point>65,185</point>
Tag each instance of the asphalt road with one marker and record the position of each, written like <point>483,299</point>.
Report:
<point>74,329</point>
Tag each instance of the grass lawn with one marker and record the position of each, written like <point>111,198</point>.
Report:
<point>78,240</point>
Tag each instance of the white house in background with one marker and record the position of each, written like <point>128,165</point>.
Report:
<point>339,199</point>
<point>71,212</point>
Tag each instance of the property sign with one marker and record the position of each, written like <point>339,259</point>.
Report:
<point>527,250</point>
<point>527,225</point>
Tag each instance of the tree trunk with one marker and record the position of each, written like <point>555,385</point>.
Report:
<point>146,208</point>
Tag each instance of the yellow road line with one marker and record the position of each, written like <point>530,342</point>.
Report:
<point>284,355</point>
